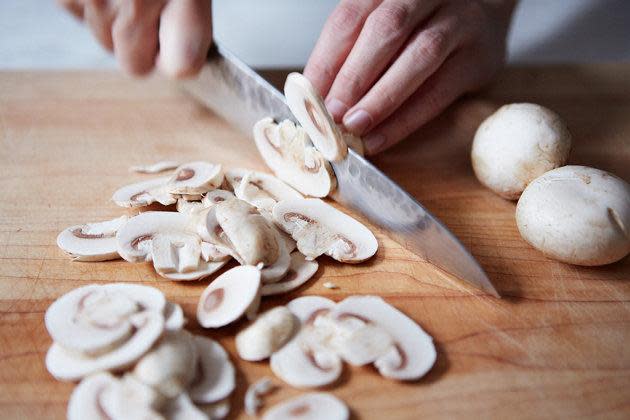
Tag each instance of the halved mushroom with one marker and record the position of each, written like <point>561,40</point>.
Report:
<point>195,178</point>
<point>289,153</point>
<point>298,363</point>
<point>67,365</point>
<point>173,317</point>
<point>92,241</point>
<point>315,405</point>
<point>215,378</point>
<point>93,319</point>
<point>309,109</point>
<point>268,333</point>
<point>170,366</point>
<point>143,193</point>
<point>300,271</point>
<point>319,228</point>
<point>229,296</point>
<point>154,168</point>
<point>412,354</point>
<point>259,189</point>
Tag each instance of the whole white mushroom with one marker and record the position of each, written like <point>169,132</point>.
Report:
<point>578,215</point>
<point>517,144</point>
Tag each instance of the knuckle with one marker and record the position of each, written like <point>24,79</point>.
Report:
<point>95,4</point>
<point>390,19</point>
<point>431,45</point>
<point>347,16</point>
<point>351,82</point>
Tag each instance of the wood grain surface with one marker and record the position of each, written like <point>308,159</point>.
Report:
<point>557,345</point>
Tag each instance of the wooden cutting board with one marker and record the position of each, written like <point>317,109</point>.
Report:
<point>556,346</point>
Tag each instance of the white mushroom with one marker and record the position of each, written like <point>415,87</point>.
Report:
<point>412,354</point>
<point>91,241</point>
<point>315,406</point>
<point>143,193</point>
<point>215,197</point>
<point>276,271</point>
<point>309,109</point>
<point>195,178</point>
<point>229,296</point>
<point>154,168</point>
<point>577,215</point>
<point>300,271</point>
<point>66,365</point>
<point>182,408</point>
<point>319,228</point>
<point>173,317</point>
<point>268,333</point>
<point>170,366</point>
<point>289,153</point>
<point>517,144</point>
<point>203,270</point>
<point>215,379</point>
<point>252,398</point>
<point>259,189</point>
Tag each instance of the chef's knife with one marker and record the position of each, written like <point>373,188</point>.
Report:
<point>241,96</point>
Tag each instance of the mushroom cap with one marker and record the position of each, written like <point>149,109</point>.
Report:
<point>314,405</point>
<point>289,153</point>
<point>308,108</point>
<point>215,379</point>
<point>300,271</point>
<point>92,241</point>
<point>195,178</point>
<point>270,331</point>
<point>517,144</point>
<point>143,193</point>
<point>229,296</point>
<point>578,215</point>
<point>320,228</point>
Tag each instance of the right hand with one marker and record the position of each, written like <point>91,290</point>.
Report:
<point>172,35</point>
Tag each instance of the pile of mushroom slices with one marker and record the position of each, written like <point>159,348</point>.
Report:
<point>127,346</point>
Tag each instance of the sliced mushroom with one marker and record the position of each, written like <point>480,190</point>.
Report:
<point>190,207</point>
<point>92,241</point>
<point>215,379</point>
<point>259,189</point>
<point>319,228</point>
<point>144,193</point>
<point>154,168</point>
<point>170,366</point>
<point>195,178</point>
<point>315,405</point>
<point>280,267</point>
<point>289,153</point>
<point>182,408</point>
<point>175,252</point>
<point>229,296</point>
<point>413,353</point>
<point>203,270</point>
<point>215,197</point>
<point>300,271</point>
<point>93,319</point>
<point>66,365</point>
<point>218,410</point>
<point>173,317</point>
<point>268,333</point>
<point>309,109</point>
<point>210,199</point>
<point>191,197</point>
<point>252,398</point>
<point>211,252</point>
<point>298,363</point>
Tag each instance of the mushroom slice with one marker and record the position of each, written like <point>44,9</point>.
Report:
<point>190,207</point>
<point>412,355</point>
<point>252,396</point>
<point>215,379</point>
<point>175,252</point>
<point>300,271</point>
<point>212,252</point>
<point>320,228</point>
<point>229,296</point>
<point>252,237</point>
<point>278,269</point>
<point>92,319</point>
<point>203,270</point>
<point>91,241</point>
<point>174,319</point>
<point>195,178</point>
<point>299,363</point>
<point>144,193</point>
<point>314,405</point>
<point>289,153</point>
<point>215,197</point>
<point>170,365</point>
<point>308,108</point>
<point>218,410</point>
<point>66,365</point>
<point>269,332</point>
<point>259,189</point>
<point>182,408</point>
<point>154,168</point>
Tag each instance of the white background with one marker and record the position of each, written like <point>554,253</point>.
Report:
<point>281,33</point>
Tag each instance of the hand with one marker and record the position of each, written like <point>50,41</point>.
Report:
<point>386,67</point>
<point>134,29</point>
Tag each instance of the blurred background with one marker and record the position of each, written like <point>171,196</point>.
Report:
<point>37,34</point>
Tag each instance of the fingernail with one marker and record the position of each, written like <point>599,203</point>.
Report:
<point>373,142</point>
<point>336,108</point>
<point>357,121</point>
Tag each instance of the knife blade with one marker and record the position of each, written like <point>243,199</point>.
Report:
<point>242,97</point>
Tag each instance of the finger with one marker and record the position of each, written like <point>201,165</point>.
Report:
<point>457,76</point>
<point>135,35</point>
<point>99,16</point>
<point>339,34</point>
<point>73,6</point>
<point>384,32</point>
<point>422,55</point>
<point>185,37</point>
